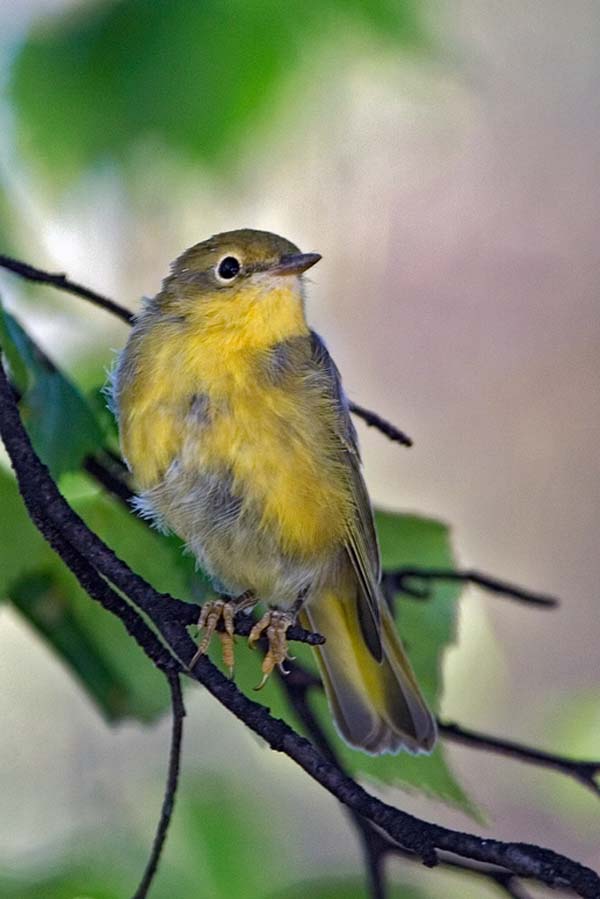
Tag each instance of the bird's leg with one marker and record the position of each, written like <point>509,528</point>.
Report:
<point>275,623</point>
<point>222,609</point>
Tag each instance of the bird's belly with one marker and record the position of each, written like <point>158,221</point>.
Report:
<point>277,459</point>
<point>258,501</point>
<point>233,543</point>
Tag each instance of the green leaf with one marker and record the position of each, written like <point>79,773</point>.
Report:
<point>68,885</point>
<point>427,628</point>
<point>62,427</point>
<point>18,368</point>
<point>91,642</point>
<point>233,853</point>
<point>22,548</point>
<point>195,77</point>
<point>49,605</point>
<point>137,689</point>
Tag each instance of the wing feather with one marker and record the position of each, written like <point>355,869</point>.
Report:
<point>361,540</point>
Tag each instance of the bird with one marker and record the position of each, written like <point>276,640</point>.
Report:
<point>236,428</point>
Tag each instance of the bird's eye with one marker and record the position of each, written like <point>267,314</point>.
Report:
<point>228,268</point>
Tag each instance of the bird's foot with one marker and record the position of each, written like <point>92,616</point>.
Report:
<point>276,624</point>
<point>213,612</point>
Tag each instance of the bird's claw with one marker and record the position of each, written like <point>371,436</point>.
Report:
<point>275,623</point>
<point>211,614</point>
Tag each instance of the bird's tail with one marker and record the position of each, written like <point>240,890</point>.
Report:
<point>377,706</point>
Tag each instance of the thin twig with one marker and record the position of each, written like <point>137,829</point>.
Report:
<point>61,282</point>
<point>397,580</point>
<point>112,482</point>
<point>511,886</point>
<point>419,836</point>
<point>178,710</point>
<point>373,420</point>
<point>505,880</point>
<point>296,686</point>
<point>585,772</point>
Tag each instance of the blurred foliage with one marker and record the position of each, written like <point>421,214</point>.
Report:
<point>89,86</point>
<point>8,240</point>
<point>94,645</point>
<point>51,406</point>
<point>573,722</point>
<point>215,850</point>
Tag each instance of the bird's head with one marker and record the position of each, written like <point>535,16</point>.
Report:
<point>238,280</point>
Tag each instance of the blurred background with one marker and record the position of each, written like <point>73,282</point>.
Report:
<point>443,157</point>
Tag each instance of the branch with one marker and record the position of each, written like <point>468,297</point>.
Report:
<point>583,771</point>
<point>508,883</point>
<point>373,420</point>
<point>511,886</point>
<point>112,482</point>
<point>178,710</point>
<point>397,580</point>
<point>48,509</point>
<point>296,686</point>
<point>61,282</point>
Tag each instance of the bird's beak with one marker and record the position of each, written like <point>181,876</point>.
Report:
<point>295,263</point>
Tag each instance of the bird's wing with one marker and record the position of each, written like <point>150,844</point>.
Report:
<point>361,540</point>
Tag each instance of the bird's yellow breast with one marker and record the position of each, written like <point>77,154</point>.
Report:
<point>273,440</point>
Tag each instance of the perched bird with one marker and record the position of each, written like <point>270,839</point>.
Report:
<point>234,423</point>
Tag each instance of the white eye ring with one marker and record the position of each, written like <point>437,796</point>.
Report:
<point>228,269</point>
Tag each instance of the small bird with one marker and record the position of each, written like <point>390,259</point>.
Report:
<point>235,426</point>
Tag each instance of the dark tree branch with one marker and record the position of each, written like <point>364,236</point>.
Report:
<point>66,530</point>
<point>61,282</point>
<point>507,882</point>
<point>400,580</point>
<point>178,711</point>
<point>585,772</point>
<point>373,420</point>
<point>104,475</point>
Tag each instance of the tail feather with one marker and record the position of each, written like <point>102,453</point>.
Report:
<point>377,706</point>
